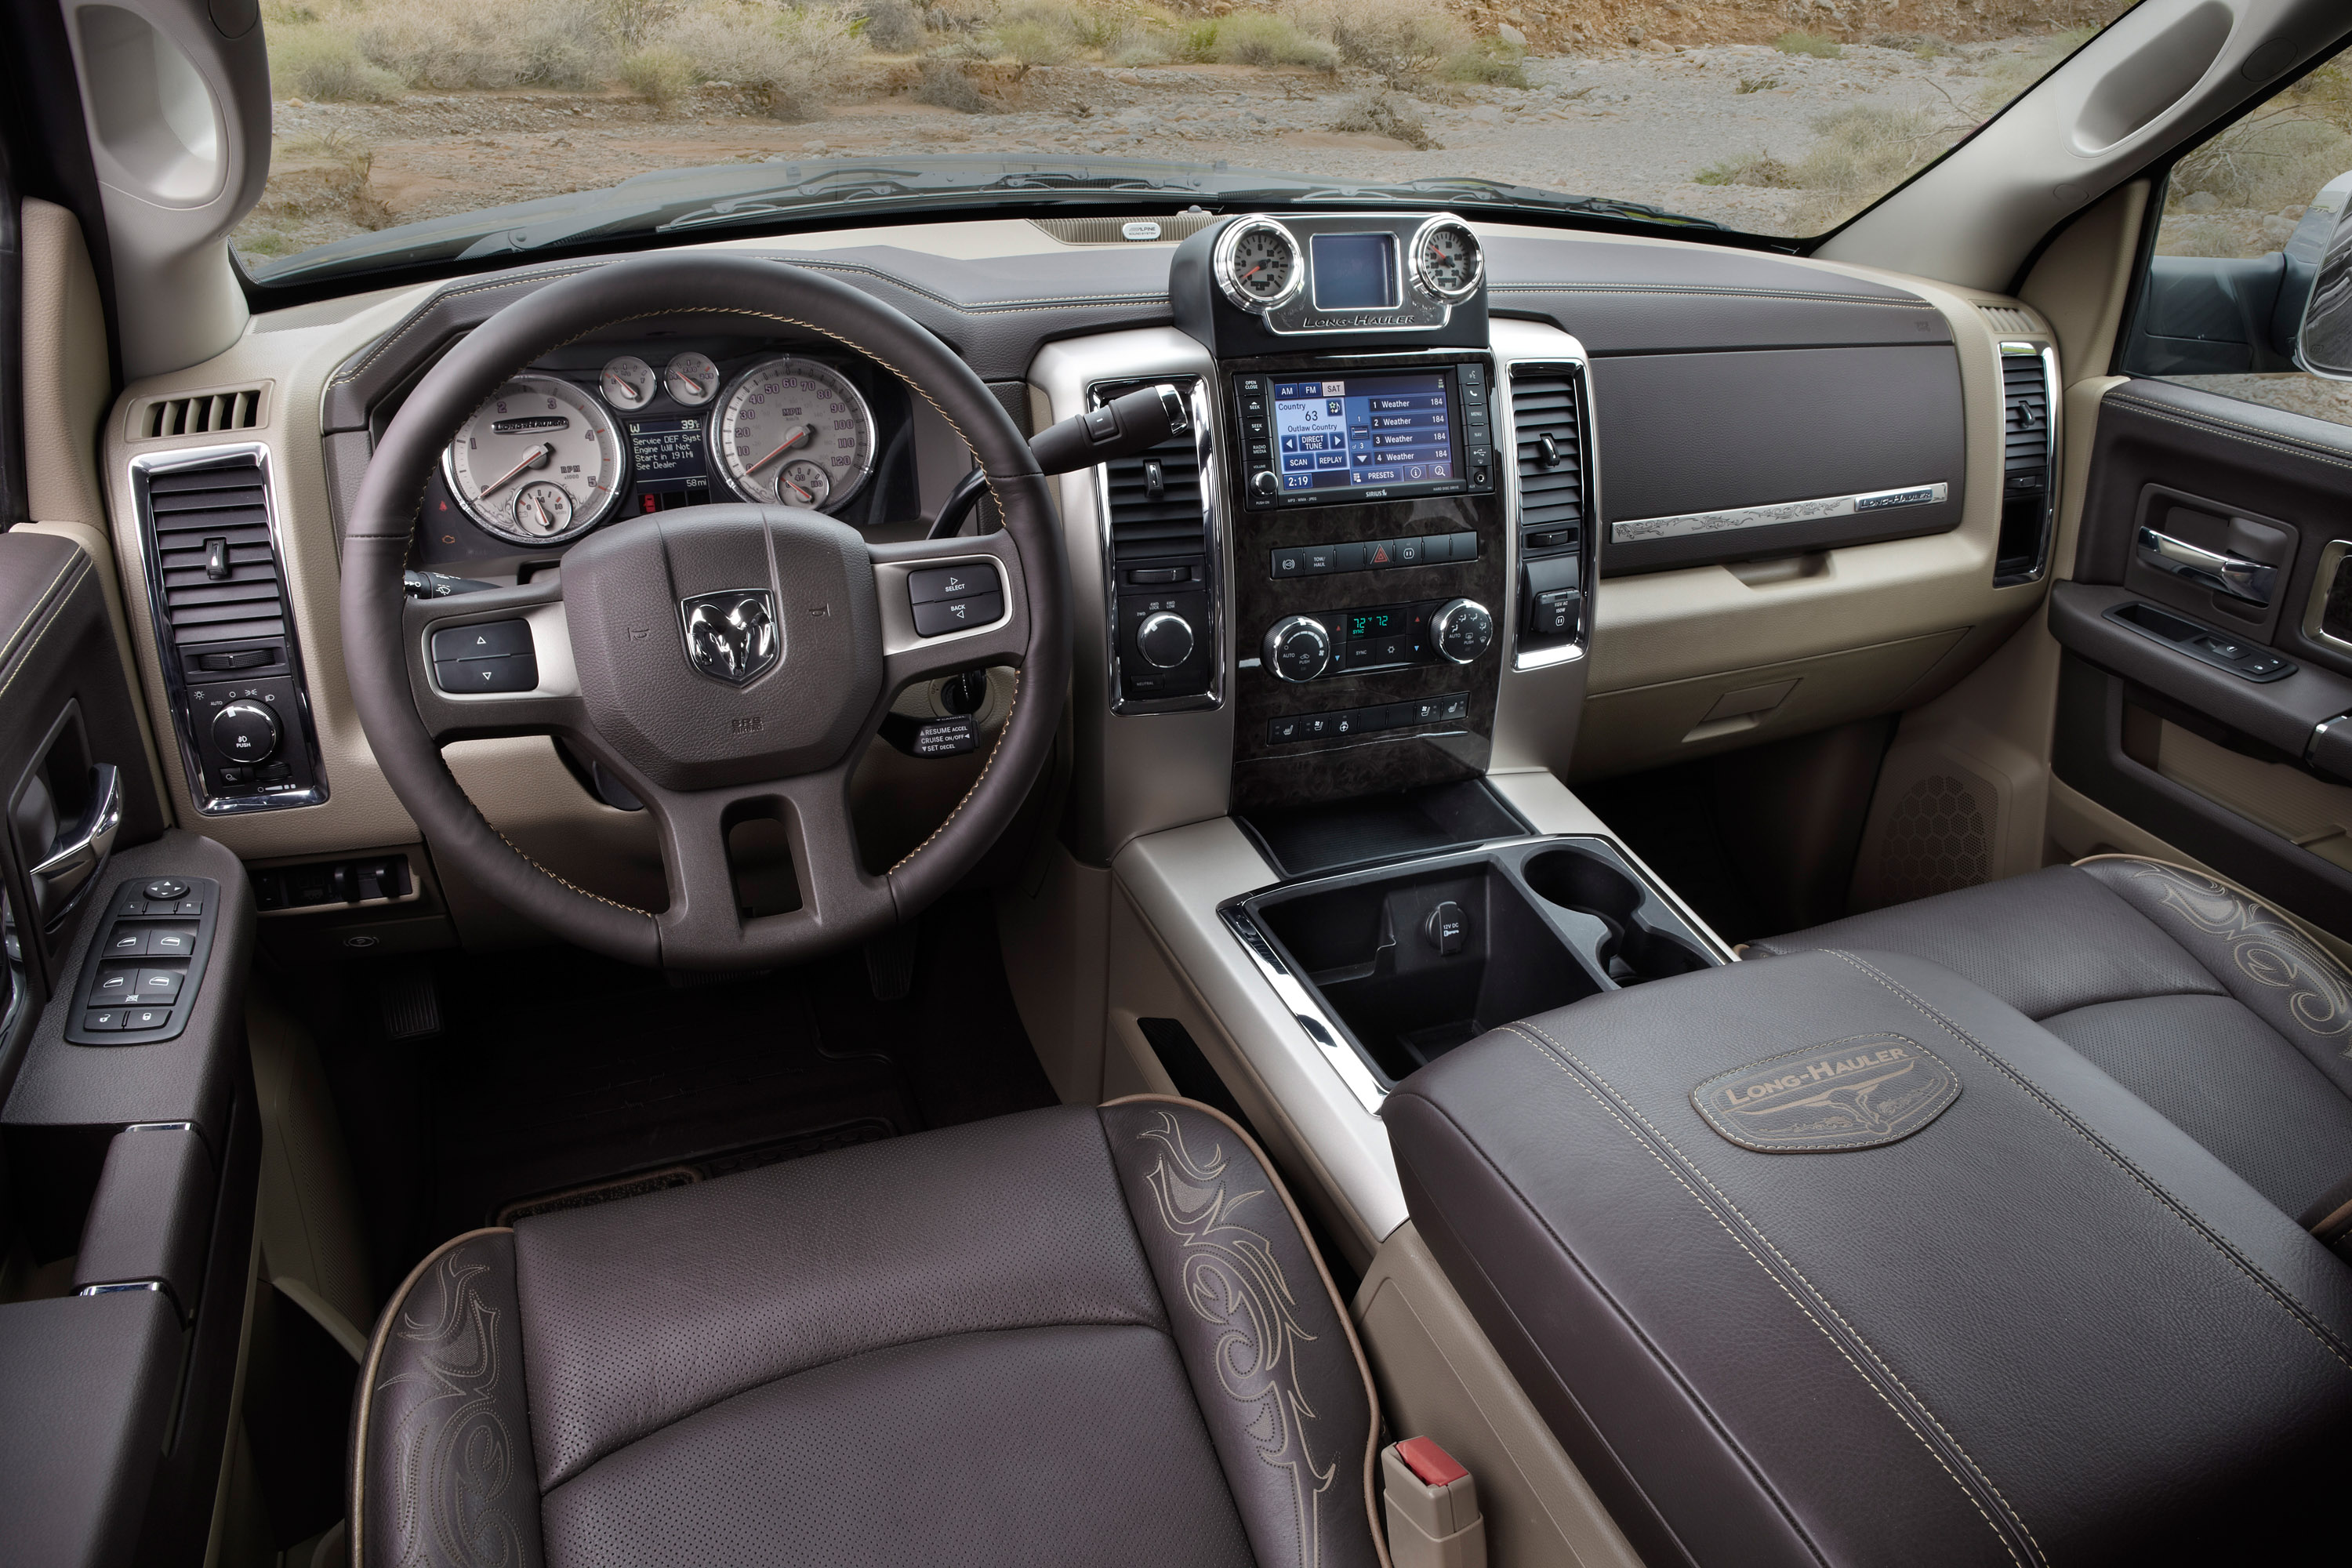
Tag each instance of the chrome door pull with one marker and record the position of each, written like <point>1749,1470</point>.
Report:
<point>59,879</point>
<point>2234,575</point>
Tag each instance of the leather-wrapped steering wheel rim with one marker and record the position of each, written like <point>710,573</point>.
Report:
<point>691,748</point>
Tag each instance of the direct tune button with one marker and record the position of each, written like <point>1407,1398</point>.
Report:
<point>1462,630</point>
<point>245,732</point>
<point>1164,639</point>
<point>1297,648</point>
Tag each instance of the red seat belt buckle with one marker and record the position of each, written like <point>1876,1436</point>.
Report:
<point>1431,1502</point>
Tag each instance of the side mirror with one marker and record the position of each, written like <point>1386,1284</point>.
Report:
<point>2323,343</point>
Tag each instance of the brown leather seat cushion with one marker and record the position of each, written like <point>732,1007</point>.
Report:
<point>1074,1335</point>
<point>2216,1011</point>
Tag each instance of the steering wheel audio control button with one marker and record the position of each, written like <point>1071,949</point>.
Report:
<point>940,582</point>
<point>487,640</point>
<point>246,731</point>
<point>941,616</point>
<point>506,673</point>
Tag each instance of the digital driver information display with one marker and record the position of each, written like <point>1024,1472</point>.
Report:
<point>1373,431</point>
<point>670,468</point>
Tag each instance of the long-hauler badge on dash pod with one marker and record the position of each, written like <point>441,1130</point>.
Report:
<point>1857,1093</point>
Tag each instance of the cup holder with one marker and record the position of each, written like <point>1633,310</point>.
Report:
<point>1632,952</point>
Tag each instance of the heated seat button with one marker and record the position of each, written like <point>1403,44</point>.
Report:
<point>945,616</point>
<point>938,583</point>
<point>490,639</point>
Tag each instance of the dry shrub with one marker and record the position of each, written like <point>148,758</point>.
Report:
<point>321,175</point>
<point>1757,83</point>
<point>945,85</point>
<point>453,44</point>
<point>1490,62</point>
<point>894,27</point>
<point>1799,42</point>
<point>1263,38</point>
<point>1864,152</point>
<point>321,61</point>
<point>791,56</point>
<point>1034,41</point>
<point>2281,153</point>
<point>1747,169</point>
<point>1404,42</point>
<point>1384,113</point>
<point>662,75</point>
<point>634,24</point>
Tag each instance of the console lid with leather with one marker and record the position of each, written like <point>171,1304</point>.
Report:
<point>1838,1259</point>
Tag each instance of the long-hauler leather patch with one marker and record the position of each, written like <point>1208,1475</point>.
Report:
<point>1846,1094</point>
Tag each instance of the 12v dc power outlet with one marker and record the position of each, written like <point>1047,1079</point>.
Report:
<point>1445,928</point>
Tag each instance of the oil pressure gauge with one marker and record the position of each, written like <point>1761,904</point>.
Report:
<point>1447,264</point>
<point>1257,265</point>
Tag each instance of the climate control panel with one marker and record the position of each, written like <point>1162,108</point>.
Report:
<point>1382,637</point>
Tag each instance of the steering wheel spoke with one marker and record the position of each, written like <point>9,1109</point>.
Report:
<point>496,662</point>
<point>950,605</point>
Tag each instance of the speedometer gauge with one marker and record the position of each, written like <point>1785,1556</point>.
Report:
<point>539,463</point>
<point>789,415</point>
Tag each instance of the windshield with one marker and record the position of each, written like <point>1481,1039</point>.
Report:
<point>412,132</point>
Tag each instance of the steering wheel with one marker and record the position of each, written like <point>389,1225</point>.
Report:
<point>727,662</point>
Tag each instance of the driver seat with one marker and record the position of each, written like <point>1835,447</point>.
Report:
<point>1077,1335</point>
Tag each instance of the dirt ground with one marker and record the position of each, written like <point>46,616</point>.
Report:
<point>1631,123</point>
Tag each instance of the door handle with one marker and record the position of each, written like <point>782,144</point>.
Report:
<point>59,881</point>
<point>2233,576</point>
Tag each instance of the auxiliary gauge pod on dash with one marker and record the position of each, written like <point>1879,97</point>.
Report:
<point>1119,429</point>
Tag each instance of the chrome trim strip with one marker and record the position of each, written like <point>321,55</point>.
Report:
<point>1633,530</point>
<point>167,656</point>
<point>1589,556</point>
<point>2049,357</point>
<point>1313,1021</point>
<point>2315,608</point>
<point>1212,557</point>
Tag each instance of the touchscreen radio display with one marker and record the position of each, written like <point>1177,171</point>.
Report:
<point>1366,432</point>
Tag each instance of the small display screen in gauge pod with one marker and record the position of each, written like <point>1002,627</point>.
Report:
<point>671,467</point>
<point>1375,430</point>
<point>1354,272</point>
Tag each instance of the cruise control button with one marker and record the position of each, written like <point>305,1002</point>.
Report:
<point>940,582</point>
<point>491,639</point>
<point>954,615</point>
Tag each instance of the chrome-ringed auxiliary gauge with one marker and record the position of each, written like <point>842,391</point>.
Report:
<point>535,435</point>
<point>627,383</point>
<point>787,411</point>
<point>690,379</point>
<point>1448,263</point>
<point>1258,265</point>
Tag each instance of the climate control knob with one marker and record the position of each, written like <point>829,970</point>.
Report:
<point>1462,630</point>
<point>1298,648</point>
<point>246,733</point>
<point>1164,639</point>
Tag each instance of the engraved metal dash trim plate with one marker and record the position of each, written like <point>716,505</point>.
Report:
<point>1857,1093</point>
<point>1633,530</point>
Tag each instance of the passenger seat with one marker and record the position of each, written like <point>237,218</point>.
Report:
<point>2212,1009</point>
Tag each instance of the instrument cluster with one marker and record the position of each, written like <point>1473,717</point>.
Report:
<point>598,433</point>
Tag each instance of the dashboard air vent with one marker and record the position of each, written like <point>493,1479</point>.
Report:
<point>198,413</point>
<point>1549,433</point>
<point>2028,451</point>
<point>1125,230</point>
<point>213,553</point>
<point>2008,319</point>
<point>1155,497</point>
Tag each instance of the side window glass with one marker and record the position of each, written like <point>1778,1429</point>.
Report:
<point>2247,219</point>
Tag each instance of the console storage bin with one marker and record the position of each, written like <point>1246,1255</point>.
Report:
<point>1834,1258</point>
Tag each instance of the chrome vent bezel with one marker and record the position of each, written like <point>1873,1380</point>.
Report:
<point>2021,453</point>
<point>1209,543</point>
<point>1576,376</point>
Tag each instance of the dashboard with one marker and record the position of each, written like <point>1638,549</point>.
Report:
<point>1459,499</point>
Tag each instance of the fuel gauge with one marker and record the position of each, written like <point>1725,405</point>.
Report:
<point>691,379</point>
<point>627,381</point>
<point>804,483</point>
<point>542,510</point>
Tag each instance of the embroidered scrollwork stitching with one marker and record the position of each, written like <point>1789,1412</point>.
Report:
<point>1234,1281</point>
<point>455,1463</point>
<point>2265,950</point>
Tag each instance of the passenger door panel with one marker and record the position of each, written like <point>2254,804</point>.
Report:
<point>2190,691</point>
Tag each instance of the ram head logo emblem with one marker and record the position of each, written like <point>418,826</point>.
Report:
<point>731,636</point>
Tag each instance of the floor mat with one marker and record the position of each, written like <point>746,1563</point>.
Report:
<point>563,1078</point>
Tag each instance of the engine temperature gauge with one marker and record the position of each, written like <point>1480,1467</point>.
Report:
<point>627,382</point>
<point>542,510</point>
<point>804,483</point>
<point>1257,265</point>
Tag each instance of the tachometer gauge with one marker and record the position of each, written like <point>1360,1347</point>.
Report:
<point>1256,264</point>
<point>627,381</point>
<point>536,435</point>
<point>691,379</point>
<point>1446,261</point>
<point>804,483</point>
<point>785,412</point>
